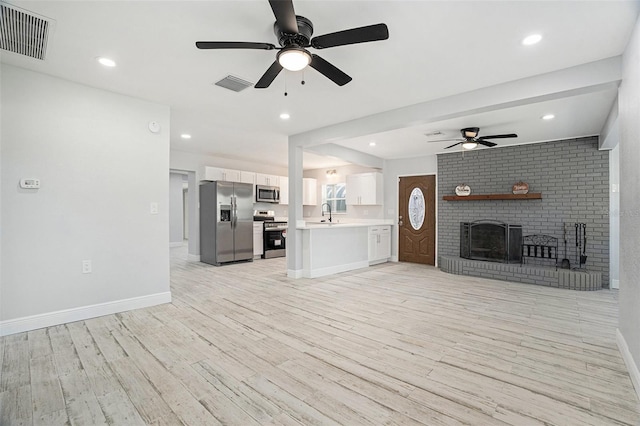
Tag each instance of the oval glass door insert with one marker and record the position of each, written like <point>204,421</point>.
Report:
<point>416,208</point>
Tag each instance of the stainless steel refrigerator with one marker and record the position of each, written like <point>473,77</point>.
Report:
<point>226,222</point>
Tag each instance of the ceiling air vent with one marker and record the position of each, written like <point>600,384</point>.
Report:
<point>234,83</point>
<point>23,32</point>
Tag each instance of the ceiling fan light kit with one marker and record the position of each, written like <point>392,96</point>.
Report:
<point>294,36</point>
<point>469,145</point>
<point>294,58</point>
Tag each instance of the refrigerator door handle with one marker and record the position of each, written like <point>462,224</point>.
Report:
<point>234,210</point>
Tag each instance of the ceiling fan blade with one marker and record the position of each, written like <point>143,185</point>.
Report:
<point>329,71</point>
<point>355,35</point>
<point>510,135</point>
<point>233,45</point>
<point>486,143</point>
<point>446,140</point>
<point>285,15</point>
<point>451,146</point>
<point>268,77</point>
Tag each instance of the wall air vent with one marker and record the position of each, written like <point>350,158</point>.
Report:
<point>23,32</point>
<point>234,83</point>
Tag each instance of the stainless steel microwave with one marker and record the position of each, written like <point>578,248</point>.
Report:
<point>267,194</point>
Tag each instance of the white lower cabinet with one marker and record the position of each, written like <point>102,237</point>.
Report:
<point>379,244</point>
<point>258,248</point>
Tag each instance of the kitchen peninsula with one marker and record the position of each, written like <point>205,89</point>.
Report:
<point>330,248</point>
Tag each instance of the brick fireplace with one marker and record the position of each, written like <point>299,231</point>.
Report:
<point>572,177</point>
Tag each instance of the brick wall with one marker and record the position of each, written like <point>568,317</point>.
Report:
<point>572,175</point>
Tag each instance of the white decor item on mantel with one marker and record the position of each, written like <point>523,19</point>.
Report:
<point>463,190</point>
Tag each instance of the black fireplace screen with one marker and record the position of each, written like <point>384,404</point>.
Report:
<point>491,241</point>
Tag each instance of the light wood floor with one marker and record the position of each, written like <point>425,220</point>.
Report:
<point>391,344</point>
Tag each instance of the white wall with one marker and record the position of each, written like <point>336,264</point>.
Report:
<point>629,299</point>
<point>353,212</point>
<point>614,217</point>
<point>176,209</point>
<point>393,169</point>
<point>100,169</point>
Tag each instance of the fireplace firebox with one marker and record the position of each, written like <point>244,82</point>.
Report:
<point>491,241</point>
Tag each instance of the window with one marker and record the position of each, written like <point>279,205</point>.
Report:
<point>335,194</point>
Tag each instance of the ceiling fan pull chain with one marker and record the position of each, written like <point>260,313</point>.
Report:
<point>285,84</point>
<point>302,82</point>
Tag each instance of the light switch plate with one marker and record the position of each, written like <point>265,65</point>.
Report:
<point>153,208</point>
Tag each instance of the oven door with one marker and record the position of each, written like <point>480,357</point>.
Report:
<point>267,194</point>
<point>274,241</point>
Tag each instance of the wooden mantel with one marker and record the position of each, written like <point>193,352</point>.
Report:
<point>529,196</point>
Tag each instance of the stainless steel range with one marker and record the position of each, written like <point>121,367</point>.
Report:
<point>274,234</point>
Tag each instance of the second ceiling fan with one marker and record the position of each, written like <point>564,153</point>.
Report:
<point>294,36</point>
<point>471,140</point>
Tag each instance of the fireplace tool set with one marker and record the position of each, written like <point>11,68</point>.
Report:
<point>581,244</point>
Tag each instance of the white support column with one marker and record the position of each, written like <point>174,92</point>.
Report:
<point>294,237</point>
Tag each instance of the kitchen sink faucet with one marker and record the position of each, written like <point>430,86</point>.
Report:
<point>329,207</point>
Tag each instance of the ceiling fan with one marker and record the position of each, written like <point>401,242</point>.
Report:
<point>294,36</point>
<point>470,139</point>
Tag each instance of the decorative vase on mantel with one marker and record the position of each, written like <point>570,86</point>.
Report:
<point>520,188</point>
<point>463,190</point>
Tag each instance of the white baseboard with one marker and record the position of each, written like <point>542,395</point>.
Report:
<point>35,322</point>
<point>193,257</point>
<point>323,272</point>
<point>634,373</point>
<point>294,273</point>
<point>176,244</point>
<point>615,284</point>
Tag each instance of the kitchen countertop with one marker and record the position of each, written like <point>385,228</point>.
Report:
<point>328,225</point>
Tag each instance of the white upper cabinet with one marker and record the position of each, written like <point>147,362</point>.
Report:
<point>219,174</point>
<point>267,180</point>
<point>284,189</point>
<point>309,192</point>
<point>364,189</point>
<point>248,177</point>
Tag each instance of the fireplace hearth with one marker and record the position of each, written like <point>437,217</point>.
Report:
<point>491,241</point>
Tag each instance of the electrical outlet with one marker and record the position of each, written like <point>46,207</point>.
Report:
<point>86,266</point>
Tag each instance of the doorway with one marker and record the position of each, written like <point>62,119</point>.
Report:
<point>417,219</point>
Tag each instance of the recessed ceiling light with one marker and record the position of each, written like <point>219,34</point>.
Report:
<point>372,144</point>
<point>285,116</point>
<point>548,117</point>
<point>532,39</point>
<point>107,62</point>
<point>185,136</point>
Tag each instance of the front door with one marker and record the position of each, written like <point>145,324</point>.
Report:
<point>417,220</point>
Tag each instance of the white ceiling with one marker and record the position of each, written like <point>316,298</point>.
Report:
<point>435,50</point>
